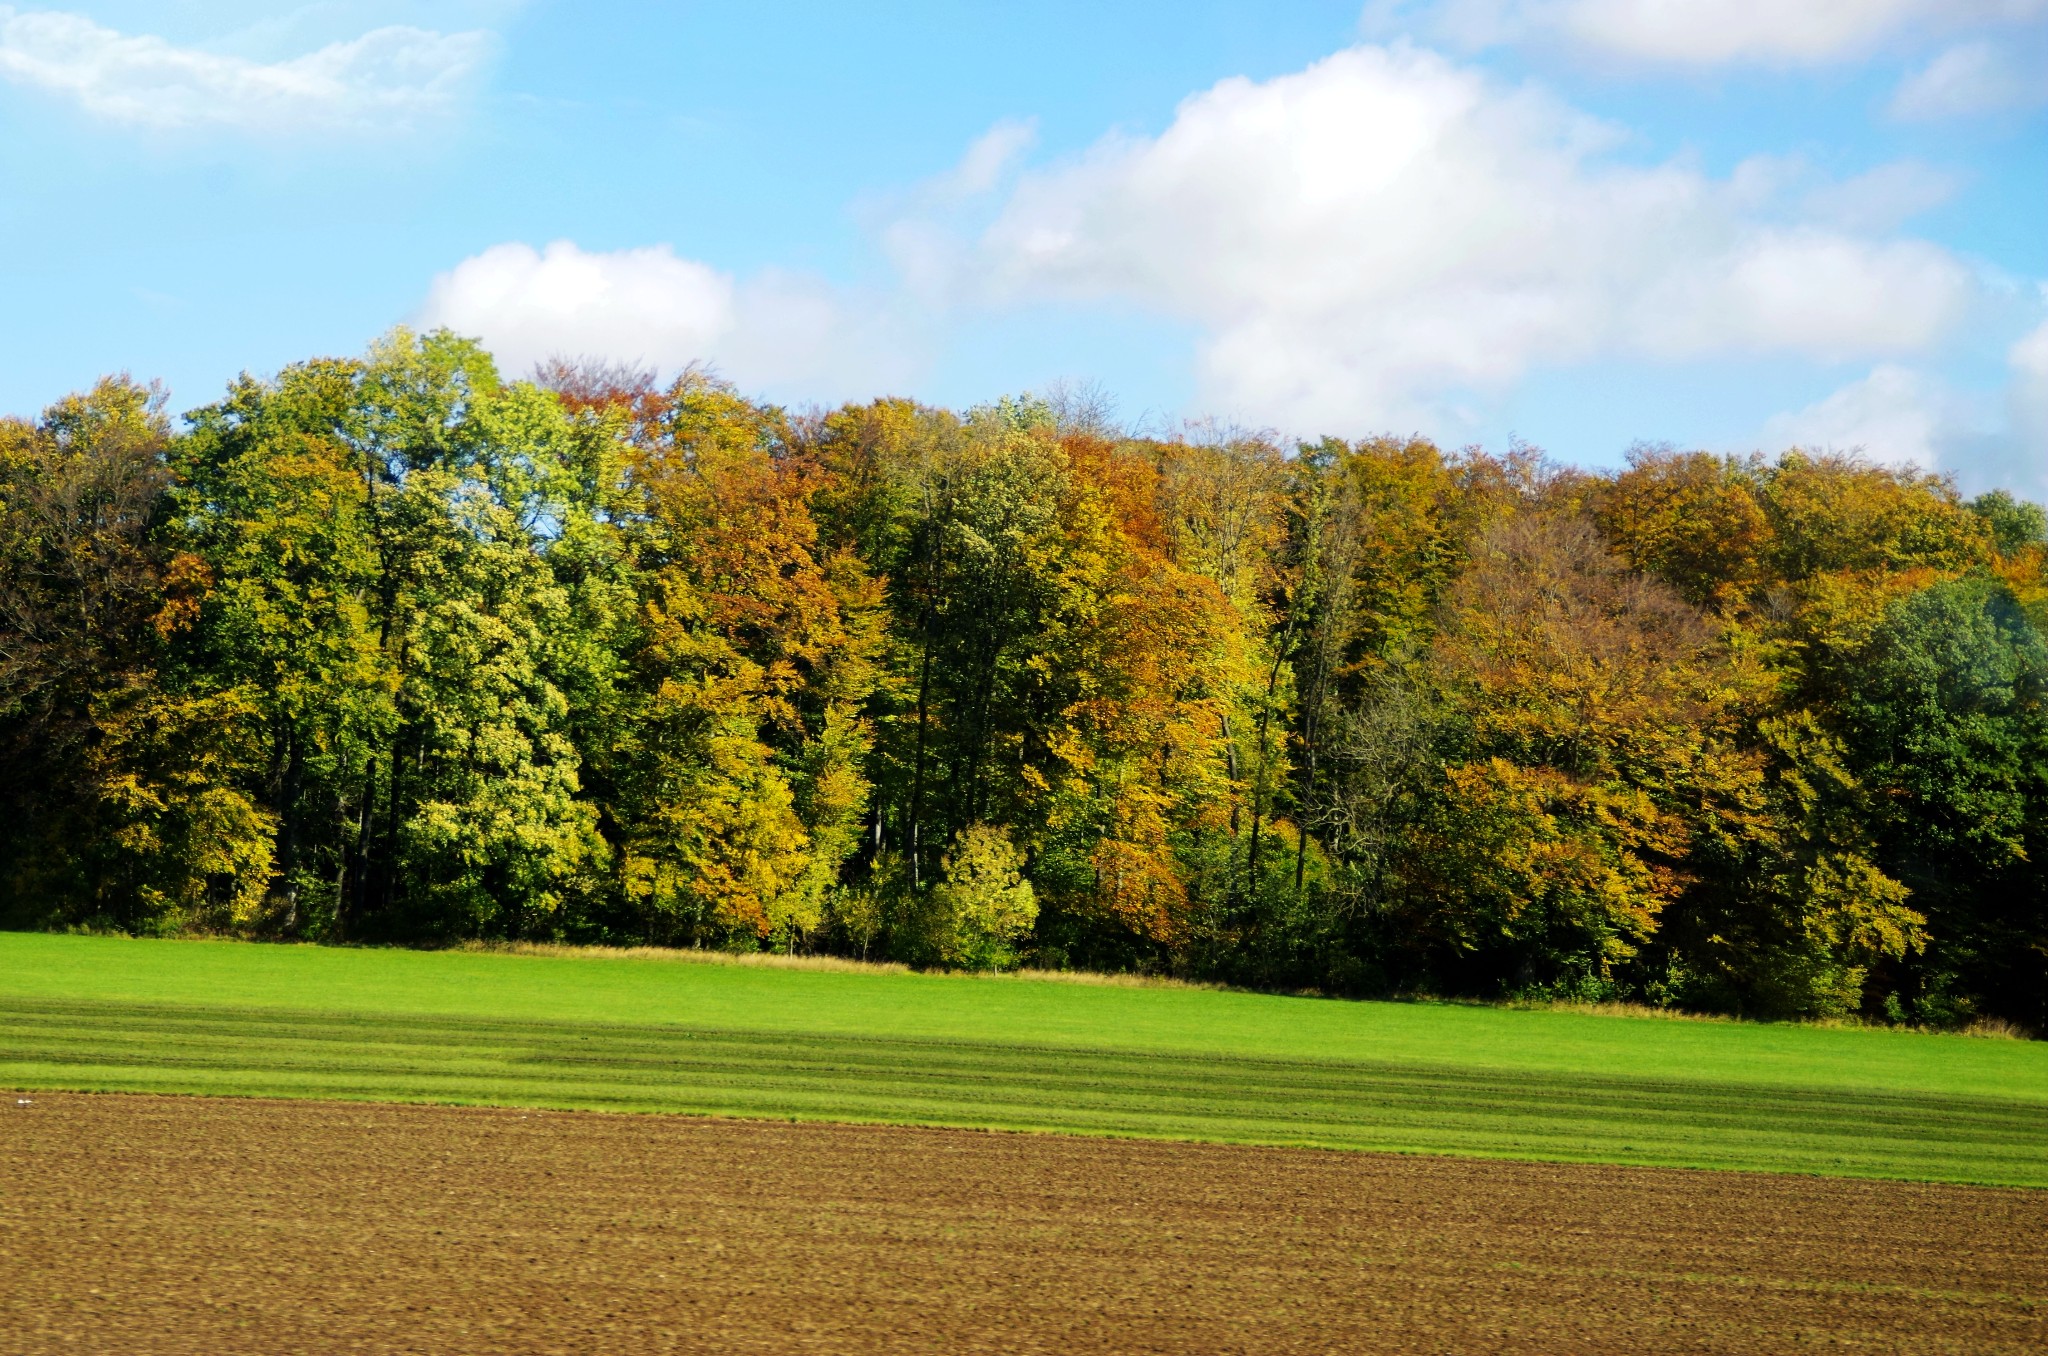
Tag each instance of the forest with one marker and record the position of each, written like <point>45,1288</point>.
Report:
<point>395,650</point>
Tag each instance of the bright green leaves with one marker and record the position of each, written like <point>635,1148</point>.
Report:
<point>384,604</point>
<point>1947,721</point>
<point>984,903</point>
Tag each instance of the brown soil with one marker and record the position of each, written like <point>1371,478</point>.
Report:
<point>193,1225</point>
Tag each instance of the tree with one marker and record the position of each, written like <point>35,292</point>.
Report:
<point>1948,725</point>
<point>2015,524</point>
<point>393,648</point>
<point>739,768</point>
<point>1588,745</point>
<point>120,800</point>
<point>984,903</point>
<point>1695,521</point>
<point>273,498</point>
<point>386,612</point>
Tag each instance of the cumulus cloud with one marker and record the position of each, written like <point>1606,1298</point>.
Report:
<point>1894,415</point>
<point>1974,78</point>
<point>387,77</point>
<point>1385,240</point>
<point>651,306</point>
<point>1706,32</point>
<point>1905,416</point>
<point>1382,233</point>
<point>2028,399</point>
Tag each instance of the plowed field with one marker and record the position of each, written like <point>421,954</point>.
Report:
<point>222,1226</point>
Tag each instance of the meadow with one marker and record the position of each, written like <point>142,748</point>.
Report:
<point>628,1033</point>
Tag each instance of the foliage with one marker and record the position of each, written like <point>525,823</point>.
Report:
<point>984,900</point>
<point>393,648</point>
<point>120,805</point>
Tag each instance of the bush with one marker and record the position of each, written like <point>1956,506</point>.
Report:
<point>984,904</point>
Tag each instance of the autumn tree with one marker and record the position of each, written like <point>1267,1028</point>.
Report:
<point>1587,743</point>
<point>120,782</point>
<point>391,647</point>
<point>737,770</point>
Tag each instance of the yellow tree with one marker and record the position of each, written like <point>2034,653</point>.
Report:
<point>1593,720</point>
<point>741,782</point>
<point>1153,659</point>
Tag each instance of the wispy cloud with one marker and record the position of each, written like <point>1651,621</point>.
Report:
<point>389,77</point>
<point>1701,32</point>
<point>1895,414</point>
<point>1974,78</point>
<point>2027,401</point>
<point>992,155</point>
<point>1905,415</point>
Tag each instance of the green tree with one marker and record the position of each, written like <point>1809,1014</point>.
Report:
<point>984,904</point>
<point>385,609</point>
<point>1948,725</point>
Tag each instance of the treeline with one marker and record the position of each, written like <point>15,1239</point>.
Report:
<point>391,649</point>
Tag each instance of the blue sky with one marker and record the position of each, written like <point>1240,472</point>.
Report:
<point>1735,224</point>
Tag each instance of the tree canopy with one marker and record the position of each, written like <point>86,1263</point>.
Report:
<point>393,648</point>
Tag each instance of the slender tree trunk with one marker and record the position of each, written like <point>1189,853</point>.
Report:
<point>984,682</point>
<point>1301,825</point>
<point>290,788</point>
<point>366,815</point>
<point>924,688</point>
<point>1259,786</point>
<point>1230,755</point>
<point>387,882</point>
<point>934,561</point>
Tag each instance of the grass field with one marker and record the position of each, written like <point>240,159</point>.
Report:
<point>657,1035</point>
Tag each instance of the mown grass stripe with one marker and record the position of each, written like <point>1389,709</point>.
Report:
<point>800,1005</point>
<point>1339,1104</point>
<point>656,1062</point>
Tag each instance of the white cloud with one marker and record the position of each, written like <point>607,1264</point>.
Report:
<point>917,229</point>
<point>1707,32</point>
<point>1386,240</point>
<point>1366,241</point>
<point>1903,416</point>
<point>1974,78</point>
<point>1880,199</point>
<point>387,77</point>
<point>1893,415</point>
<point>771,332</point>
<point>2027,399</point>
<point>991,155</point>
<point>644,305</point>
<point>2016,456</point>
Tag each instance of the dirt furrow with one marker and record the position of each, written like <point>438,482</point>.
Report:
<point>222,1226</point>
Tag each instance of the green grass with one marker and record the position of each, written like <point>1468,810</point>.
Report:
<point>655,1035</point>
